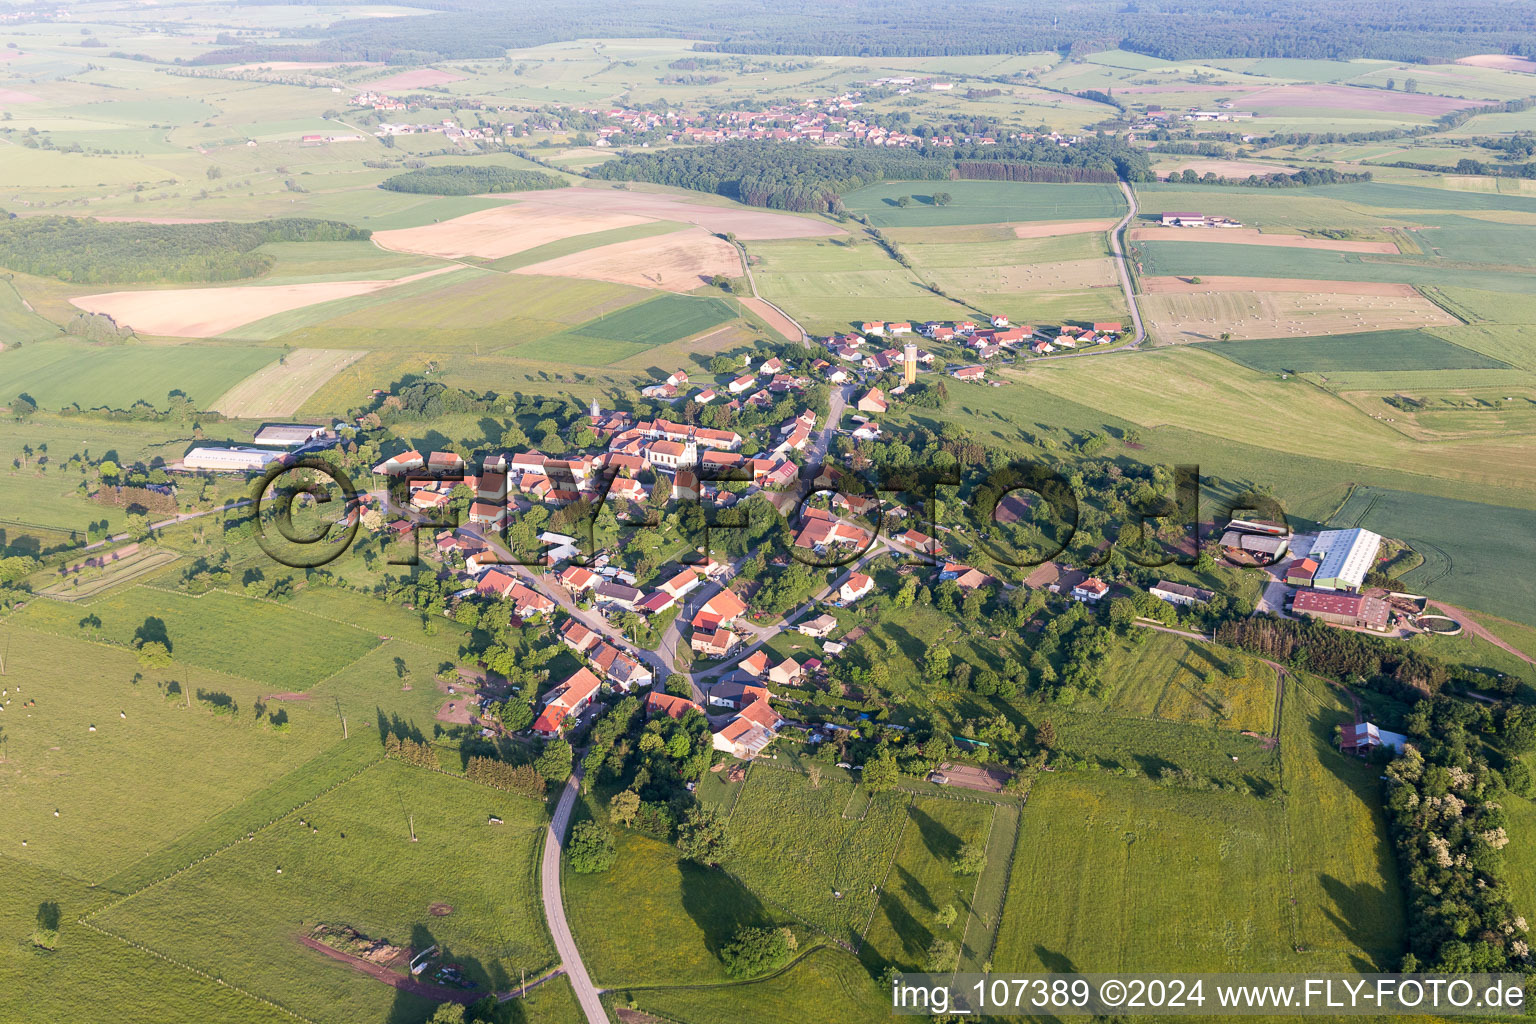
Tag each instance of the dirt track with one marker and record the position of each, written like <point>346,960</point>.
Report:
<point>389,977</point>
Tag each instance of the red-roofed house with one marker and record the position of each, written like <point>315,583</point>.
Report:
<point>749,732</point>
<point>970,373</point>
<point>872,402</point>
<point>1091,590</point>
<point>578,637</point>
<point>755,663</point>
<point>564,701</point>
<point>576,579</point>
<point>495,583</point>
<point>527,602</point>
<point>669,705</point>
<point>721,610</point>
<point>712,643</point>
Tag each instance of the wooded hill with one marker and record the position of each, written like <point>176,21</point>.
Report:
<point>809,179</point>
<point>469,180</point>
<point>1317,29</point>
<point>93,252</point>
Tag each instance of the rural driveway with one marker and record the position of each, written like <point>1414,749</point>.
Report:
<point>554,906</point>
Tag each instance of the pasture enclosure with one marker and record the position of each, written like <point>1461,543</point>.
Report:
<point>795,849</point>
<point>1137,870</point>
<point>923,882</point>
<point>1349,903</point>
<point>1183,680</point>
<point>347,858</point>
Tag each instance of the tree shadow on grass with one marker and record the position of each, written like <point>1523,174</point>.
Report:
<point>719,905</point>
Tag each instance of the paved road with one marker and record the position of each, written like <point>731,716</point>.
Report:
<point>554,907</point>
<point>1123,268</point>
<point>1116,246</point>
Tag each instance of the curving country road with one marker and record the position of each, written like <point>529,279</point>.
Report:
<point>554,906</point>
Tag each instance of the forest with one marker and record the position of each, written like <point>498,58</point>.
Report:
<point>1315,29</point>
<point>87,251</point>
<point>809,179</point>
<point>469,180</point>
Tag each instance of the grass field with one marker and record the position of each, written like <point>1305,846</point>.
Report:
<point>982,202</point>
<point>19,323</point>
<point>923,882</point>
<point>347,858</point>
<point>61,373</point>
<point>1182,680</point>
<point>795,849</point>
<point>284,649</point>
<point>1136,871</point>
<point>1374,350</point>
<point>1349,905</point>
<point>826,985</point>
<point>148,752</point>
<point>1464,544</point>
<point>1193,388</point>
<point>630,331</point>
<point>690,913</point>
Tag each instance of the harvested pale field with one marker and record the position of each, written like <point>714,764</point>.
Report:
<point>1163,285</point>
<point>1344,97</point>
<point>748,225</point>
<point>1233,168</point>
<point>209,312</point>
<point>15,96</point>
<point>1254,236</point>
<point>1177,318</point>
<point>1064,227</point>
<point>502,231</point>
<point>677,262</point>
<point>417,79</point>
<point>1500,61</point>
<point>1067,275</point>
<point>773,318</point>
<point>282,387</point>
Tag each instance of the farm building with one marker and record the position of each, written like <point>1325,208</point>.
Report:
<point>1184,220</point>
<point>1363,737</point>
<point>1353,610</point>
<point>1180,593</point>
<point>1301,572</point>
<point>1343,558</point>
<point>1252,547</point>
<point>288,435</point>
<point>229,460</point>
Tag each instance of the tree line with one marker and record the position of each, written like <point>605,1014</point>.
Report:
<point>470,179</point>
<point>1313,29</point>
<point>93,252</point>
<point>806,178</point>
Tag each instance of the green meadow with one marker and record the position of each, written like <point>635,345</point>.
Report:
<point>1135,872</point>
<point>61,373</point>
<point>349,858</point>
<point>1370,350</point>
<point>982,202</point>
